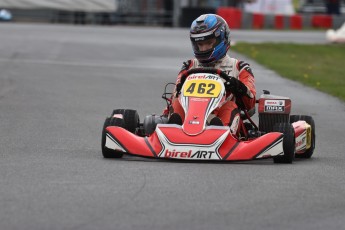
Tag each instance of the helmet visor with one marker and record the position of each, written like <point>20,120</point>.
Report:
<point>204,46</point>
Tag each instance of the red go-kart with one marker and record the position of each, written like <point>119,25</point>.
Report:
<point>278,135</point>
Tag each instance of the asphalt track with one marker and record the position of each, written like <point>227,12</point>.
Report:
<point>58,83</point>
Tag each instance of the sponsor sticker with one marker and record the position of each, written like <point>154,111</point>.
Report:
<point>197,99</point>
<point>274,106</point>
<point>190,154</point>
<point>202,88</point>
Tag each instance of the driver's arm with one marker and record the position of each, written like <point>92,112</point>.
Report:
<point>176,106</point>
<point>246,76</point>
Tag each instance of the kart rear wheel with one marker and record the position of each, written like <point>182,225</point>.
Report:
<point>267,121</point>
<point>110,153</point>
<point>309,152</point>
<point>288,142</point>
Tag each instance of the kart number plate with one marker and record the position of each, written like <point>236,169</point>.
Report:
<point>202,88</point>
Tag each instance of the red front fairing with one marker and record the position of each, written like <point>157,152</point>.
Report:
<point>257,148</point>
<point>195,116</point>
<point>215,143</point>
<point>302,136</point>
<point>200,95</point>
<point>195,139</point>
<point>134,144</point>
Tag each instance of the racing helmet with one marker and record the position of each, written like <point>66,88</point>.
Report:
<point>208,26</point>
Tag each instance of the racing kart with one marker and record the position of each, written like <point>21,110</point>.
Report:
<point>278,135</point>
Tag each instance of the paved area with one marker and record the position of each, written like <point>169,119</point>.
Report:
<point>57,85</point>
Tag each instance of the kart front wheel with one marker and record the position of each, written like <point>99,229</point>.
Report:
<point>130,118</point>
<point>110,153</point>
<point>288,142</point>
<point>309,152</point>
<point>124,118</point>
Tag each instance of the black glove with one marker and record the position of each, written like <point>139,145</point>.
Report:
<point>236,87</point>
<point>185,65</point>
<point>178,89</point>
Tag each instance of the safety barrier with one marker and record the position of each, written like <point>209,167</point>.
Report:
<point>296,22</point>
<point>236,18</point>
<point>322,21</point>
<point>233,16</point>
<point>241,20</point>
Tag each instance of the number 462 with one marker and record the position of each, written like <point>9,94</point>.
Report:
<point>201,88</point>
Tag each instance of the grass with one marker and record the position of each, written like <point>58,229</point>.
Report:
<point>318,66</point>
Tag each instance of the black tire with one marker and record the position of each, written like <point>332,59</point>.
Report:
<point>309,152</point>
<point>130,117</point>
<point>267,121</point>
<point>129,122</point>
<point>109,153</point>
<point>288,142</point>
<point>151,121</point>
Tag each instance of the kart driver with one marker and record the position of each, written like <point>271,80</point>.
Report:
<point>210,38</point>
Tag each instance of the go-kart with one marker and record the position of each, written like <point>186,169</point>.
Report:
<point>278,135</point>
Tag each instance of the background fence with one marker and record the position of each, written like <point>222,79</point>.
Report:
<point>177,13</point>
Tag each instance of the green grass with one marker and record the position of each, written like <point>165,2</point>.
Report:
<point>318,66</point>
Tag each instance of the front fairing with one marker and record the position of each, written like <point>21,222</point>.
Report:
<point>201,94</point>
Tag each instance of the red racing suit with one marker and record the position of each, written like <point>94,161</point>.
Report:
<point>228,112</point>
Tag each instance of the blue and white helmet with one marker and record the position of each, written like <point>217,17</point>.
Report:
<point>209,26</point>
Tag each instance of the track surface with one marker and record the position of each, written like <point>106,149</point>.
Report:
<point>58,83</point>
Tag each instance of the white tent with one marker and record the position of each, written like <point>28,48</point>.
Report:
<point>337,36</point>
<point>283,7</point>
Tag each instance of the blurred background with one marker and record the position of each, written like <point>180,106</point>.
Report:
<point>244,14</point>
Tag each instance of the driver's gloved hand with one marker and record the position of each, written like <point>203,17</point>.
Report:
<point>178,89</point>
<point>185,65</point>
<point>236,87</point>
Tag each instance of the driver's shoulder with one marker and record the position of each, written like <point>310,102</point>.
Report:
<point>239,64</point>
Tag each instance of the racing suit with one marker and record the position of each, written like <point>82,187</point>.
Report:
<point>228,112</point>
